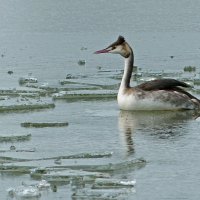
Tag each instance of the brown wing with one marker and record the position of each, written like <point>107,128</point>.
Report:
<point>166,84</point>
<point>161,84</point>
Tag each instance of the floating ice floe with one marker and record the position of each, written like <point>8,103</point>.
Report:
<point>26,150</point>
<point>58,161</point>
<point>7,93</point>
<point>189,69</point>
<point>27,164</point>
<point>13,168</point>
<point>87,155</point>
<point>43,124</point>
<point>68,174</point>
<point>43,184</point>
<point>196,81</point>
<point>24,192</point>
<point>110,167</point>
<point>38,172</point>
<point>70,76</point>
<point>4,98</point>
<point>85,94</point>
<point>24,104</point>
<point>102,183</point>
<point>81,156</point>
<point>103,194</point>
<point>107,167</point>
<point>91,165</point>
<point>106,188</point>
<point>13,149</point>
<point>79,85</point>
<point>13,138</point>
<point>95,84</point>
<point>24,80</point>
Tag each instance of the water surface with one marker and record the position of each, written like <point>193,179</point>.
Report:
<point>44,39</point>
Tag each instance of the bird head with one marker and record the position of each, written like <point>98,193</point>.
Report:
<point>118,47</point>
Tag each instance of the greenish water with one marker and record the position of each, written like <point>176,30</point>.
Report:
<point>84,145</point>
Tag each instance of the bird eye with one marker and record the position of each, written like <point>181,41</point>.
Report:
<point>114,47</point>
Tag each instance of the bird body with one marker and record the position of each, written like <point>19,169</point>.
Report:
<point>159,94</point>
<point>138,99</point>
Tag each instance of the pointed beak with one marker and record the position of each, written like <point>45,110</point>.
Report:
<point>102,51</point>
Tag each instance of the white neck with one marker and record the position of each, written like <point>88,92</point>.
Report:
<point>128,68</point>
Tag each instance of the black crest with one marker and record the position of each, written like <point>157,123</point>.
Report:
<point>119,41</point>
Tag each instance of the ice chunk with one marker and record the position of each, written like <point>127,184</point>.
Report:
<point>87,155</point>
<point>43,184</point>
<point>24,80</point>
<point>24,192</point>
<point>38,172</point>
<point>14,138</point>
<point>110,167</point>
<point>26,150</point>
<point>74,84</point>
<point>11,94</point>
<point>29,190</point>
<point>68,174</point>
<point>58,161</point>
<point>101,183</point>
<point>86,94</point>
<point>91,165</point>
<point>103,194</point>
<point>196,81</point>
<point>24,104</point>
<point>83,155</point>
<point>4,97</point>
<point>128,183</point>
<point>15,169</point>
<point>13,149</point>
<point>70,76</point>
<point>43,124</point>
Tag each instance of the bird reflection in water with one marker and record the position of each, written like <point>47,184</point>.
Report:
<point>162,124</point>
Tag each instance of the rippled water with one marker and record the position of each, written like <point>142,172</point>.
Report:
<point>46,40</point>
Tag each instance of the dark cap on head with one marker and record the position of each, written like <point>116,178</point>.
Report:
<point>119,41</point>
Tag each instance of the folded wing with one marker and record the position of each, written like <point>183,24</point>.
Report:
<point>168,85</point>
<point>161,84</point>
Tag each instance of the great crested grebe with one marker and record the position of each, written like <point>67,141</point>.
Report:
<point>159,94</point>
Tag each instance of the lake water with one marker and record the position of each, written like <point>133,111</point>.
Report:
<point>46,40</point>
